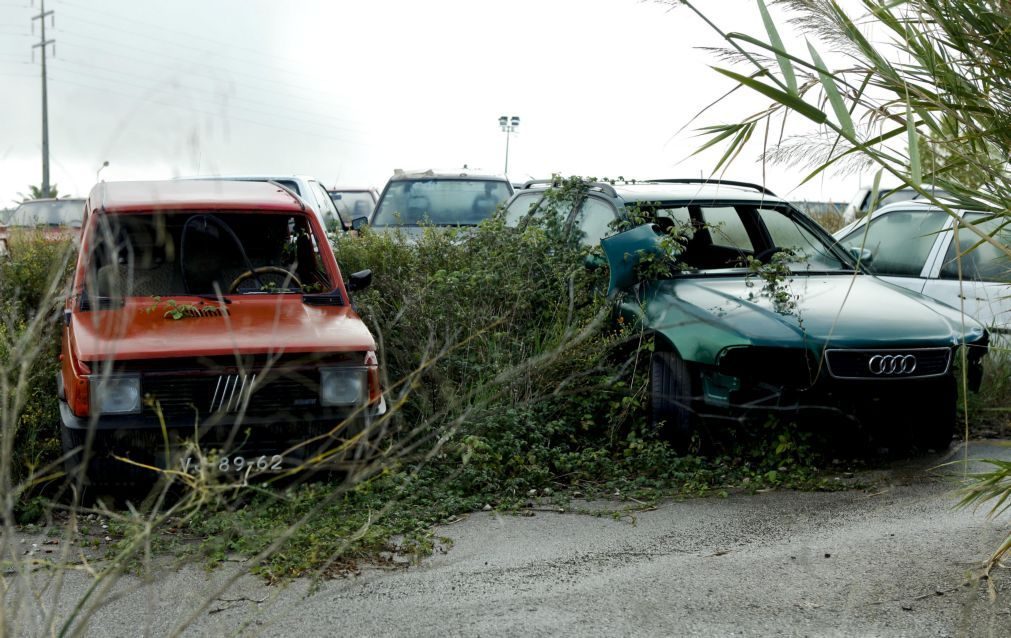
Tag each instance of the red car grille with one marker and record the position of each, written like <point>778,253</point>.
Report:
<point>249,394</point>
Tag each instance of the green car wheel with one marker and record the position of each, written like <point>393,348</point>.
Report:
<point>671,392</point>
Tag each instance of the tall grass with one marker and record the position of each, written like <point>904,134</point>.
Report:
<point>31,290</point>
<point>499,380</point>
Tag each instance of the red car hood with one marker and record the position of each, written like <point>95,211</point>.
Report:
<point>253,325</point>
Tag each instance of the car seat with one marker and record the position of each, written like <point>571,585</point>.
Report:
<point>697,251</point>
<point>140,268</point>
<point>483,207</point>
<point>417,209</point>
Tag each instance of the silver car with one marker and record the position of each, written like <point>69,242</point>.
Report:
<point>453,198</point>
<point>912,244</point>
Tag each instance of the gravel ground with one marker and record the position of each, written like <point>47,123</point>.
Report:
<point>891,560</point>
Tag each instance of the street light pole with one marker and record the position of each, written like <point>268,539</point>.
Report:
<point>98,173</point>
<point>509,126</point>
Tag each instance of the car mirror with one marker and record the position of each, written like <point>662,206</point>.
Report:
<point>336,196</point>
<point>625,251</point>
<point>594,262</point>
<point>359,280</point>
<point>863,255</point>
<point>359,222</point>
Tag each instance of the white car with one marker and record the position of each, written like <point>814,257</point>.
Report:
<point>309,189</point>
<point>911,244</point>
<point>861,202</point>
<point>413,200</point>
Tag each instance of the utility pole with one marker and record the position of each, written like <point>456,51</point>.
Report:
<point>42,44</point>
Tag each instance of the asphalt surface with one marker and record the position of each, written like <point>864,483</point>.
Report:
<point>892,559</point>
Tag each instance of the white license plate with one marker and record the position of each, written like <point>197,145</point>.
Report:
<point>235,463</point>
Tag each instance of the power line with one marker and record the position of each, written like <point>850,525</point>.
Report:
<point>294,67</point>
<point>202,38</point>
<point>200,67</point>
<point>203,62</point>
<point>183,107</point>
<point>209,102</point>
<point>286,112</point>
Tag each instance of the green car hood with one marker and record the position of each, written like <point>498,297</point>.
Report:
<point>701,315</point>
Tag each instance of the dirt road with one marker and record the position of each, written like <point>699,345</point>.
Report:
<point>888,561</point>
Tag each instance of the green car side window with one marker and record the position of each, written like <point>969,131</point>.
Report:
<point>726,228</point>
<point>787,233</point>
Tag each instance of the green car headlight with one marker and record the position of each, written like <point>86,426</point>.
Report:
<point>118,394</point>
<point>341,386</point>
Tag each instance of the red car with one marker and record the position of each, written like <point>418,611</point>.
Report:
<point>209,328</point>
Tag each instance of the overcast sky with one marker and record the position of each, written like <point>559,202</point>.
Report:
<point>349,90</point>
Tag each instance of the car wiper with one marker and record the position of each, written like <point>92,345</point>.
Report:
<point>332,298</point>
<point>94,302</point>
<point>276,291</point>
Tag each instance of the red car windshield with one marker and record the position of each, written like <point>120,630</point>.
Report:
<point>204,253</point>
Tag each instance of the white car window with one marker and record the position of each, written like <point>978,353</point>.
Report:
<point>520,207</point>
<point>984,262</point>
<point>48,213</point>
<point>440,201</point>
<point>594,221</point>
<point>900,241</point>
<point>325,206</point>
<point>353,204</point>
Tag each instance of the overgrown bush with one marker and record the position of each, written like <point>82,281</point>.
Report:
<point>496,342</point>
<point>33,275</point>
<point>32,280</point>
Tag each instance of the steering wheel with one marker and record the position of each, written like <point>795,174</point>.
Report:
<point>250,274</point>
<point>765,256</point>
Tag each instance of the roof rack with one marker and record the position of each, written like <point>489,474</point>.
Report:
<point>606,188</point>
<point>718,182</point>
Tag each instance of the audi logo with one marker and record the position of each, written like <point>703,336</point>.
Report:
<point>891,364</point>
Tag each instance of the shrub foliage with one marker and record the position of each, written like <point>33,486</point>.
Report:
<point>31,292</point>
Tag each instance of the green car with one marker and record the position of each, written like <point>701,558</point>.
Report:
<point>755,309</point>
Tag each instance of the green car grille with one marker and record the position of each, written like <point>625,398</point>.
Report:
<point>913,363</point>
